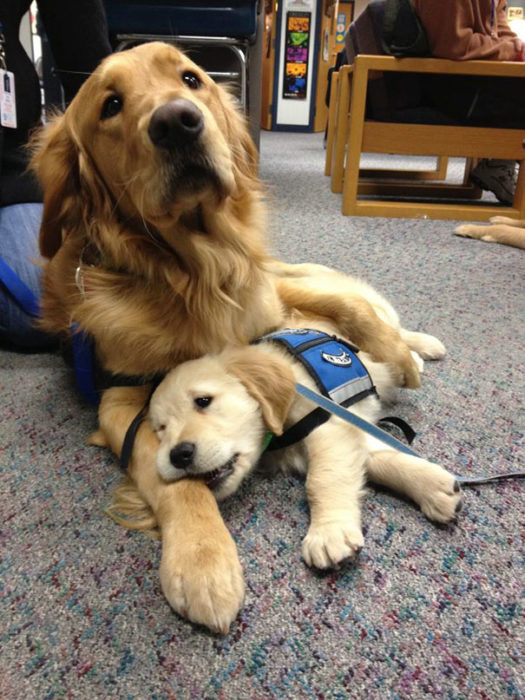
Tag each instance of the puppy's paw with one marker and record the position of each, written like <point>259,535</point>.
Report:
<point>440,495</point>
<point>506,220</point>
<point>203,581</point>
<point>328,545</point>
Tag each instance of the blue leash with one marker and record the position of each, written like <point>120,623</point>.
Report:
<point>375,431</point>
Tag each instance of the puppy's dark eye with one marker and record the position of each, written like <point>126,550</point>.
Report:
<point>203,401</point>
<point>192,81</point>
<point>111,107</point>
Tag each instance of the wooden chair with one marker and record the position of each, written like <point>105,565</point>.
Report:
<point>337,138</point>
<point>354,134</point>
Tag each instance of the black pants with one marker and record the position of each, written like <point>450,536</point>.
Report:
<point>478,100</point>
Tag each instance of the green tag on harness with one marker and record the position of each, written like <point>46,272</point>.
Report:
<point>267,440</point>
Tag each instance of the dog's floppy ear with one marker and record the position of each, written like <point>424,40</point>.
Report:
<point>55,162</point>
<point>245,155</point>
<point>268,379</point>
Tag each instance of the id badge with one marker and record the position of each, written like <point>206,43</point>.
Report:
<point>7,99</point>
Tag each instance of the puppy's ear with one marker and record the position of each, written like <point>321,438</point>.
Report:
<point>268,379</point>
<point>55,162</point>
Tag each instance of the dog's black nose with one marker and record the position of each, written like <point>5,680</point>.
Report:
<point>181,456</point>
<point>175,123</point>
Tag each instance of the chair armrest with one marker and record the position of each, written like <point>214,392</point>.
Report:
<point>346,69</point>
<point>510,69</point>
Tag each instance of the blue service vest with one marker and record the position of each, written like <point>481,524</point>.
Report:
<point>332,363</point>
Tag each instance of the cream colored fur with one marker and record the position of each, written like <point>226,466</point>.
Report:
<point>502,229</point>
<point>171,250</point>
<point>251,390</point>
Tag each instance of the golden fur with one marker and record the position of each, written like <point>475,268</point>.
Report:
<point>251,389</point>
<point>158,254</point>
<point>502,229</point>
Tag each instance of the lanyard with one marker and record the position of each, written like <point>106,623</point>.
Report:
<point>3,63</point>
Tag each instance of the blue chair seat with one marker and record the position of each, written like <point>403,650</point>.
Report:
<point>210,18</point>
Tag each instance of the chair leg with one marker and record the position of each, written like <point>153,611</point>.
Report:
<point>332,116</point>
<point>470,164</point>
<point>338,162</point>
<point>355,140</point>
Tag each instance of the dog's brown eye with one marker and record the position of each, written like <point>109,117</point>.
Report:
<point>203,401</point>
<point>192,81</point>
<point>111,107</point>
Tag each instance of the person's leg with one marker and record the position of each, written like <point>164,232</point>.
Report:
<point>500,102</point>
<point>19,225</point>
<point>497,176</point>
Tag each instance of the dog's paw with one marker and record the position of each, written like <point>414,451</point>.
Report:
<point>419,361</point>
<point>330,544</point>
<point>467,230</point>
<point>97,439</point>
<point>481,233</point>
<point>439,494</point>
<point>506,220</point>
<point>429,347</point>
<point>203,582</point>
<point>404,367</point>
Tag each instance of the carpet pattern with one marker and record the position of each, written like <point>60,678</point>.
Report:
<point>426,612</point>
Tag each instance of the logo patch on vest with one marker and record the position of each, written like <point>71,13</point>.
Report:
<point>332,363</point>
<point>341,360</point>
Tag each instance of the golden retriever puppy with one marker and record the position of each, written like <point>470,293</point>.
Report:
<point>153,226</point>
<point>502,229</point>
<point>212,415</point>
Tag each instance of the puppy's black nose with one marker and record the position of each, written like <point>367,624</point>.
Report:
<point>181,456</point>
<point>175,123</point>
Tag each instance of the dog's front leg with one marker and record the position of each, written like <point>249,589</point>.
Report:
<point>336,456</point>
<point>499,232</point>
<point>200,571</point>
<point>356,320</point>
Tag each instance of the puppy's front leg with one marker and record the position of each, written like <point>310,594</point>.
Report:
<point>336,455</point>
<point>432,487</point>
<point>200,571</point>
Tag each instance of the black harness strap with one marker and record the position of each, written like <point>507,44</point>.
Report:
<point>405,428</point>
<point>319,416</point>
<point>131,432</point>
<point>300,430</point>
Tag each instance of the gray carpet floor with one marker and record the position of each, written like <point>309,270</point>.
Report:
<point>426,612</point>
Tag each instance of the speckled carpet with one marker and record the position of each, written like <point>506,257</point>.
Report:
<point>426,612</point>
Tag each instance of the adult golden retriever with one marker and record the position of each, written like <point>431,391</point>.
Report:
<point>153,226</point>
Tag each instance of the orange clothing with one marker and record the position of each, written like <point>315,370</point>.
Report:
<point>468,29</point>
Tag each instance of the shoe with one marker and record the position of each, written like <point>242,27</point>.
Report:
<point>497,176</point>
